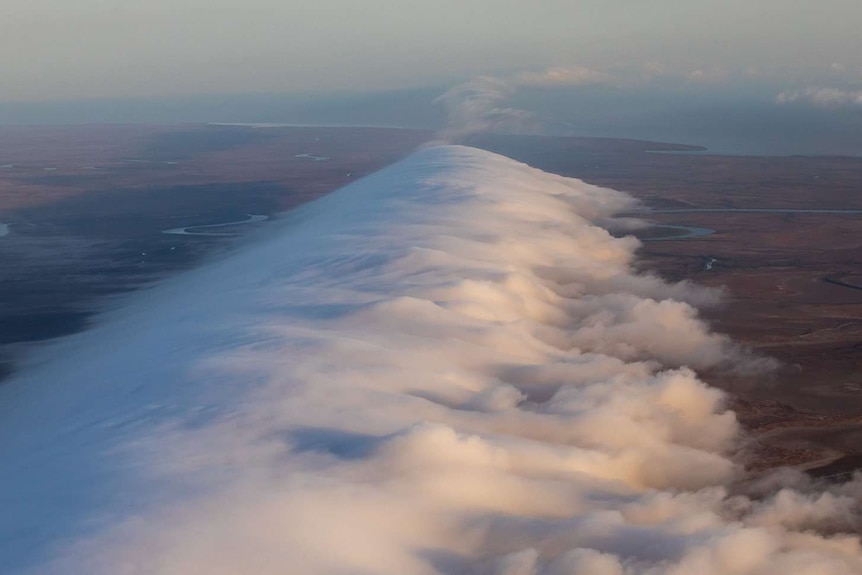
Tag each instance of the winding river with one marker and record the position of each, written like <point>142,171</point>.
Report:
<point>204,230</point>
<point>689,232</point>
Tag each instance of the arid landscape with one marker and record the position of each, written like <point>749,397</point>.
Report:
<point>791,276</point>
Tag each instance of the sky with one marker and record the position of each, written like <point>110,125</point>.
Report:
<point>56,49</point>
<point>632,64</point>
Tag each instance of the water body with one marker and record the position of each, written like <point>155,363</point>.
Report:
<point>157,410</point>
<point>699,152</point>
<point>205,229</point>
<point>686,232</point>
<point>264,125</point>
<point>752,211</point>
<point>842,283</point>
<point>689,232</point>
<point>140,161</point>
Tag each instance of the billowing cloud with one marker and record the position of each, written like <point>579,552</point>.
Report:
<point>447,367</point>
<point>479,104</point>
<point>822,97</point>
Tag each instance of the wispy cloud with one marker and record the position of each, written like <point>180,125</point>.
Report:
<point>479,104</point>
<point>447,367</point>
<point>563,76</point>
<point>708,75</point>
<point>822,97</point>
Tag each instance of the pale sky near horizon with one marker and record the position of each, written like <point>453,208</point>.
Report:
<point>71,49</point>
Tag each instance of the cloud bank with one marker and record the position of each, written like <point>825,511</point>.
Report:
<point>447,367</point>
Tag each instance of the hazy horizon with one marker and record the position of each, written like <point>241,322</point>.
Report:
<point>744,77</point>
<point>749,123</point>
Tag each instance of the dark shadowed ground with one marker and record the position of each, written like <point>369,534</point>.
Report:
<point>87,205</point>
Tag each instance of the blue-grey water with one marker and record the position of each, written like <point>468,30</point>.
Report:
<point>687,232</point>
<point>751,211</point>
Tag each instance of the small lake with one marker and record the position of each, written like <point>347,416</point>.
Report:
<point>678,233</point>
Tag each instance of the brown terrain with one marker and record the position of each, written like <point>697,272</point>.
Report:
<point>793,279</point>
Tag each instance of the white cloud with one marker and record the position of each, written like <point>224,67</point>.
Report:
<point>564,76</point>
<point>822,97</point>
<point>708,76</point>
<point>446,367</point>
<point>479,104</point>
